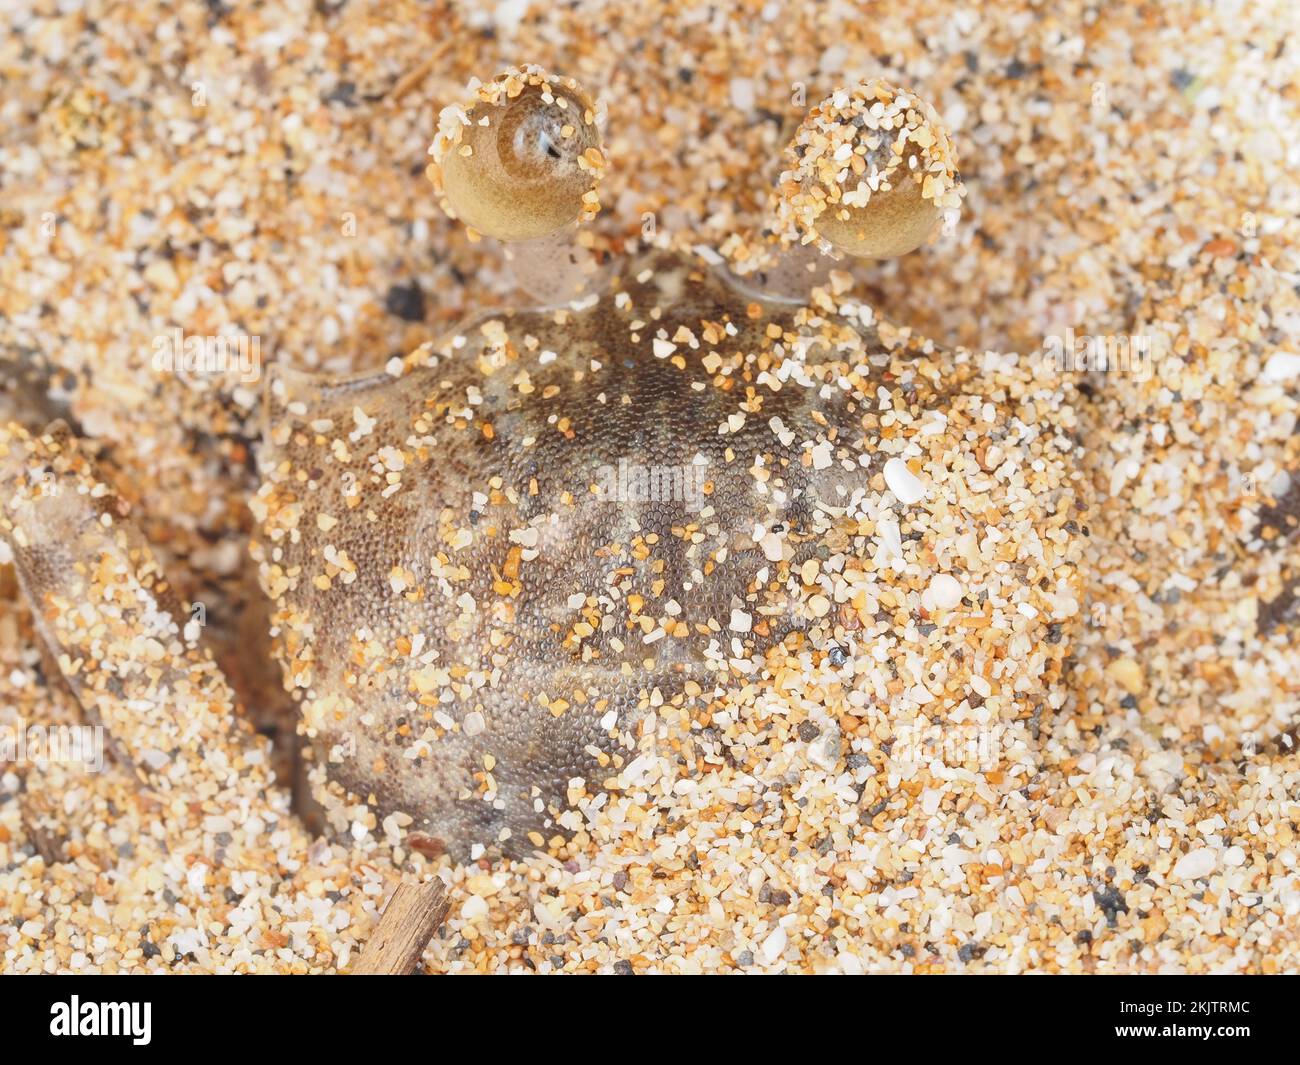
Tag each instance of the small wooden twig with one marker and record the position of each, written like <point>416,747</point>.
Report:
<point>410,80</point>
<point>48,841</point>
<point>408,922</point>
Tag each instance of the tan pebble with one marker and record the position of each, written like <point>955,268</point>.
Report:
<point>1127,674</point>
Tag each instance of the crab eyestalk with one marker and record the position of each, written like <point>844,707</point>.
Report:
<point>871,173</point>
<point>521,161</point>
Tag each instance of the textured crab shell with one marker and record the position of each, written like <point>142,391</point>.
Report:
<point>491,563</point>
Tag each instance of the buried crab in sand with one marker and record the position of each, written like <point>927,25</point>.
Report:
<point>685,612</point>
<point>482,635</point>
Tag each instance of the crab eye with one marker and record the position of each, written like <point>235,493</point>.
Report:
<point>872,171</point>
<point>523,159</point>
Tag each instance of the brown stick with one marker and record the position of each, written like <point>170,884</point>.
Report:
<point>410,80</point>
<point>408,922</point>
<point>49,842</point>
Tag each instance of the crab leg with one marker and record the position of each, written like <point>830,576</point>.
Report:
<point>116,630</point>
<point>119,636</point>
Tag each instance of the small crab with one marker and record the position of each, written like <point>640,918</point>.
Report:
<point>497,562</point>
